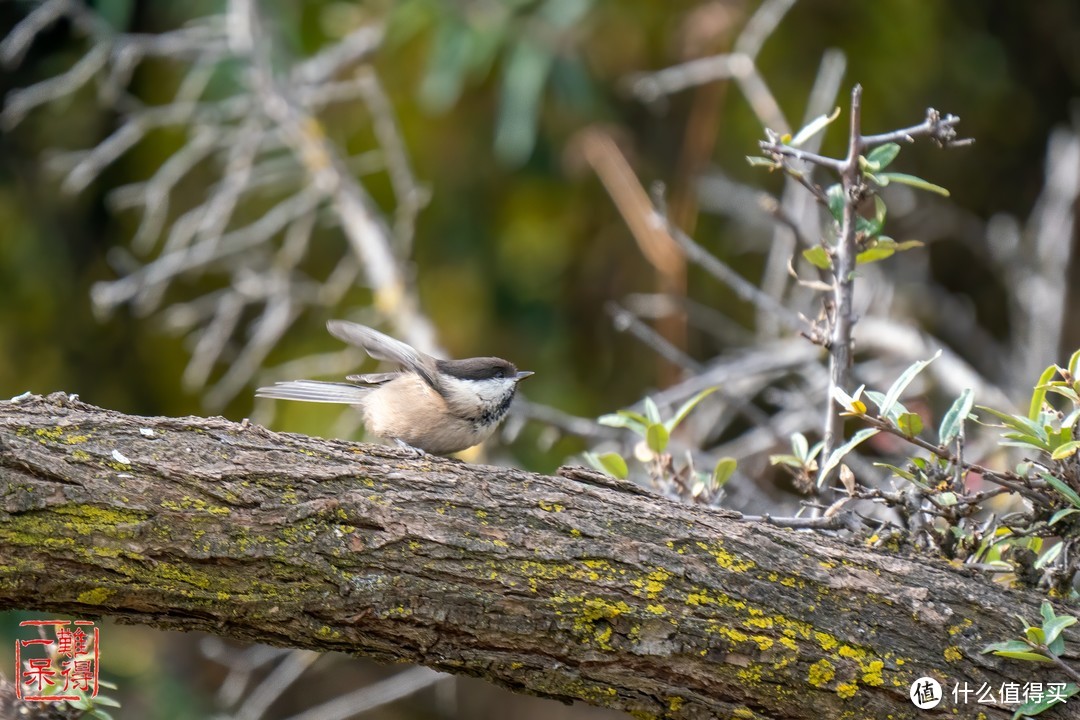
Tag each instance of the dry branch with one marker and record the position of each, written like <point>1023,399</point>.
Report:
<point>572,587</point>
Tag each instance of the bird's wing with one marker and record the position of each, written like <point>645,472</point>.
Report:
<point>373,378</point>
<point>384,347</point>
<point>315,391</point>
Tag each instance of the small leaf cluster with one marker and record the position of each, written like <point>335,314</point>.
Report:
<point>651,450</point>
<point>1036,538</point>
<point>1042,643</point>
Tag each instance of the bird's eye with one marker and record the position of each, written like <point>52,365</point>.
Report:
<point>499,372</point>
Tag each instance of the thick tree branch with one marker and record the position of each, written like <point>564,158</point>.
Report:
<point>574,587</point>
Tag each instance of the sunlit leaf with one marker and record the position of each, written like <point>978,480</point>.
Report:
<point>875,254</point>
<point>813,127</point>
<point>1065,450</point>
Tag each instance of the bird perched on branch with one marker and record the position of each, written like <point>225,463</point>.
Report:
<point>436,406</point>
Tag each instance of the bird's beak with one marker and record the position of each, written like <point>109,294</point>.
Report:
<point>523,374</point>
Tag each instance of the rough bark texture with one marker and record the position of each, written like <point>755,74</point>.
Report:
<point>570,587</point>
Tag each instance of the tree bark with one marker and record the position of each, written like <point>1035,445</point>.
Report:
<point>577,587</point>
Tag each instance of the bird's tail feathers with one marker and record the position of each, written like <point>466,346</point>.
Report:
<point>315,391</point>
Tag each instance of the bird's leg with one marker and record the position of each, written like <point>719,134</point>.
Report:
<point>406,446</point>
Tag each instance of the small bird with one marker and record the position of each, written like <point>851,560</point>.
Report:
<point>436,406</point>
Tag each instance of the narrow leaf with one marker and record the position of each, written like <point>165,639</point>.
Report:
<point>913,181</point>
<point>1066,492</point>
<point>835,196</point>
<point>651,411</point>
<point>1038,396</point>
<point>799,446</point>
<point>813,127</point>
<point>1062,514</point>
<point>688,406</point>
<point>953,422</point>
<point>838,454</point>
<point>903,381</point>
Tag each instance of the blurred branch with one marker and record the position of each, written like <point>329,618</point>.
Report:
<point>277,173</point>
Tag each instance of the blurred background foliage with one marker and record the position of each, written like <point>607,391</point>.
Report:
<point>520,246</point>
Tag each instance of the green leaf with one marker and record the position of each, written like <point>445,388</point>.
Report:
<point>1052,628</point>
<point>953,422</point>
<point>651,411</point>
<point>688,406</point>
<point>1024,655</point>
<point>836,199</point>
<point>838,454</point>
<point>614,464</point>
<point>723,471</point>
<point>880,157</point>
<point>897,471</point>
<point>1067,492</point>
<point>656,437</point>
<point>875,254</point>
<point>1038,396</point>
<point>799,446</point>
<point>1074,364</point>
<point>813,127</point>
<point>1007,646</point>
<point>1065,450</point>
<point>1062,514</point>
<point>105,700</point>
<point>912,181</point>
<point>622,420</point>
<point>100,714</point>
<point>903,381</point>
<point>789,460</point>
<point>1035,635</point>
<point>910,424</point>
<point>1033,707</point>
<point>818,257</point>
<point>526,67</point>
<point>1028,431</point>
